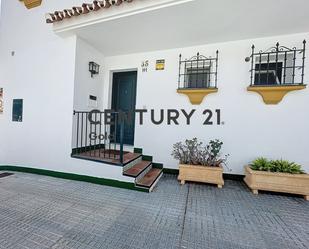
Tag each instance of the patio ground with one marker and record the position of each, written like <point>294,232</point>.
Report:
<point>45,212</point>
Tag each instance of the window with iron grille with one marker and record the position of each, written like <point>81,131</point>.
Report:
<point>268,74</point>
<point>198,72</point>
<point>278,65</point>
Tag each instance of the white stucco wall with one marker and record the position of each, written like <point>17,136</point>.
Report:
<point>251,128</point>
<point>84,84</point>
<point>46,67</point>
<point>42,72</point>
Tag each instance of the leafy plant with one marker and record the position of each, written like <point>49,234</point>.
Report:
<point>193,152</point>
<point>261,164</point>
<point>286,167</point>
<point>192,146</point>
<point>283,166</point>
<point>187,152</point>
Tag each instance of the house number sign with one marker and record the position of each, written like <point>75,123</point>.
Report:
<point>145,65</point>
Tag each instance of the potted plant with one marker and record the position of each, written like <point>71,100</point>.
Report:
<point>277,175</point>
<point>200,163</point>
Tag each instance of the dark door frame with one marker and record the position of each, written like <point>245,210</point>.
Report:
<point>129,136</point>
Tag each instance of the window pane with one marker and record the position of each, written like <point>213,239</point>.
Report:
<point>17,110</point>
<point>198,78</point>
<point>268,73</point>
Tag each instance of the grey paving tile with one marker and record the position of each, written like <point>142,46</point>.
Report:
<point>45,212</point>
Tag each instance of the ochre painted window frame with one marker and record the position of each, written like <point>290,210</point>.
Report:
<point>31,3</point>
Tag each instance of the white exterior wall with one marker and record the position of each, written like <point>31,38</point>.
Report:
<point>84,84</point>
<point>46,67</point>
<point>42,72</point>
<point>251,128</point>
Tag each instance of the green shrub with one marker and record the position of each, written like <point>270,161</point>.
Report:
<point>286,167</point>
<point>261,164</point>
<point>283,166</point>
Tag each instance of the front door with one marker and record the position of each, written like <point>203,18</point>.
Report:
<point>124,99</point>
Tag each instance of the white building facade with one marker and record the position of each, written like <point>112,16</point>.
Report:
<point>47,65</point>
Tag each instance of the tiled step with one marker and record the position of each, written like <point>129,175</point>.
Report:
<point>108,156</point>
<point>137,169</point>
<point>131,163</point>
<point>150,178</point>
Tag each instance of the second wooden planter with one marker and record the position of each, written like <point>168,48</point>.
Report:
<point>277,182</point>
<point>204,174</point>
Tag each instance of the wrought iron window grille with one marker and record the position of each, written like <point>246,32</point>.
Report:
<point>278,65</point>
<point>198,72</point>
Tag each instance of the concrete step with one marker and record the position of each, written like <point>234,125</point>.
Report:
<point>137,169</point>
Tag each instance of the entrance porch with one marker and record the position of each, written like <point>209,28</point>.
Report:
<point>99,137</point>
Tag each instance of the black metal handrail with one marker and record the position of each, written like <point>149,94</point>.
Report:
<point>198,72</point>
<point>99,134</point>
<point>277,66</point>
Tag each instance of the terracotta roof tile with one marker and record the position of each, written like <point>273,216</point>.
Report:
<point>86,8</point>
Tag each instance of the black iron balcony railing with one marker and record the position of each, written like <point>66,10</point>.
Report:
<point>98,136</point>
<point>198,72</point>
<point>278,65</point>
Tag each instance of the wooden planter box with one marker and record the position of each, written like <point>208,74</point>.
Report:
<point>205,174</point>
<point>277,182</point>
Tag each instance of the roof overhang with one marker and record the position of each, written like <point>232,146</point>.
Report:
<point>95,13</point>
<point>147,25</point>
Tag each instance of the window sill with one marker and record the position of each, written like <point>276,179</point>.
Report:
<point>196,96</point>
<point>272,95</point>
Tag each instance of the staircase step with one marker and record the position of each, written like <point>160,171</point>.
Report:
<point>150,178</point>
<point>107,156</point>
<point>137,169</point>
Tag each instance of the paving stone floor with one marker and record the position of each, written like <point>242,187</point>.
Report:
<point>45,212</point>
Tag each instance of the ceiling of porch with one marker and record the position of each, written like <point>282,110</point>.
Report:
<point>197,22</point>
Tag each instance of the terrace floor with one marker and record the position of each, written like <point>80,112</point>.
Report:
<point>45,212</point>
<point>107,156</point>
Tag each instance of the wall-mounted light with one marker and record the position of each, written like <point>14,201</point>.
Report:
<point>93,68</point>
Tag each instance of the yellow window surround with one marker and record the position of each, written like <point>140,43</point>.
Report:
<point>196,96</point>
<point>31,3</point>
<point>272,95</point>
